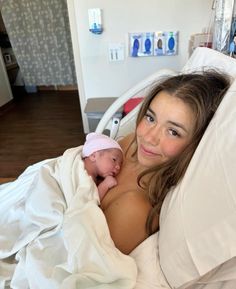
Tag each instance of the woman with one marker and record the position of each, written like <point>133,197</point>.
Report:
<point>169,127</point>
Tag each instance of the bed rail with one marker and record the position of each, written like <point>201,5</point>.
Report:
<point>121,127</point>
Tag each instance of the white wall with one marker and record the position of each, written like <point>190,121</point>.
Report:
<point>97,77</point>
<point>5,89</point>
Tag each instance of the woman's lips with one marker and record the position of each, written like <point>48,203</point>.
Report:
<point>147,151</point>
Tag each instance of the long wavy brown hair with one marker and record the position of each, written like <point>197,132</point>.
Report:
<point>203,92</point>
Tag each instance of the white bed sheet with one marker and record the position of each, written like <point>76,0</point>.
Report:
<point>51,220</point>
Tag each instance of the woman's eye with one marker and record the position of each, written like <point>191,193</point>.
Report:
<point>149,117</point>
<point>174,132</point>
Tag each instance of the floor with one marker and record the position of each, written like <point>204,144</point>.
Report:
<point>38,126</point>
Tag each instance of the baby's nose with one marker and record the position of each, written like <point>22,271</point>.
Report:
<point>117,168</point>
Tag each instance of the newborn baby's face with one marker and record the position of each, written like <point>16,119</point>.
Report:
<point>109,162</point>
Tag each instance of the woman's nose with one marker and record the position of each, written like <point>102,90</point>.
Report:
<point>153,135</point>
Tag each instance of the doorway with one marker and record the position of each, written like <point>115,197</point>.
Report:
<point>8,55</point>
<point>39,34</point>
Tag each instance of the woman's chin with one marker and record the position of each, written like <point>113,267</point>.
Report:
<point>148,161</point>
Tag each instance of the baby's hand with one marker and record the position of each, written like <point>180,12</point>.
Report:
<point>110,182</point>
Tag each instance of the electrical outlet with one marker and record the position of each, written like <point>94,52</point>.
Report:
<point>116,52</point>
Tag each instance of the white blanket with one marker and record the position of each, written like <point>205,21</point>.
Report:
<point>53,233</point>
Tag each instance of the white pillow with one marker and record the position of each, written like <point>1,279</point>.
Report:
<point>198,218</point>
<point>204,57</point>
<point>146,256</point>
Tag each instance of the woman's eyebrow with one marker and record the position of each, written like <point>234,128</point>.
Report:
<point>150,110</point>
<point>178,125</point>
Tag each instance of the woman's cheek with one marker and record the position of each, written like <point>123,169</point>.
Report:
<point>172,148</point>
<point>141,128</point>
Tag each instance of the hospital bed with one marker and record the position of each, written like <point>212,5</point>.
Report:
<point>196,245</point>
<point>194,249</point>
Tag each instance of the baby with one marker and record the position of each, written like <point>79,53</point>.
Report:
<point>102,158</point>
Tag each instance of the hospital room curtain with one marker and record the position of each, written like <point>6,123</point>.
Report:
<point>39,33</point>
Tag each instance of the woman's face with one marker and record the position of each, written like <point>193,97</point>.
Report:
<point>165,130</point>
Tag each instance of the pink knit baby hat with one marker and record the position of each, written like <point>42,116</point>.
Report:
<point>96,142</point>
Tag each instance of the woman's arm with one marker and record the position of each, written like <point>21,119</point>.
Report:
<point>126,218</point>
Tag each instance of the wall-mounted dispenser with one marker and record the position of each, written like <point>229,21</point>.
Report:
<point>95,20</point>
<point>153,43</point>
<point>159,43</point>
<point>171,43</point>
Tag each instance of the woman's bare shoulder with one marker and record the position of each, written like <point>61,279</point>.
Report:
<point>125,142</point>
<point>126,218</point>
